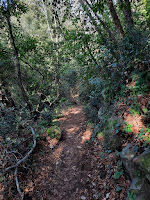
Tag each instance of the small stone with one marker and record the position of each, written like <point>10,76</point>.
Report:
<point>83,197</point>
<point>107,195</point>
<point>51,146</point>
<point>93,184</point>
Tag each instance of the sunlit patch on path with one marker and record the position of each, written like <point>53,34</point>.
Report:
<point>61,173</point>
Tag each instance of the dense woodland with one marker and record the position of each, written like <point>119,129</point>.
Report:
<point>55,54</point>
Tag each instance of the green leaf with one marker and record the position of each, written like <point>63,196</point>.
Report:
<point>118,189</point>
<point>134,196</point>
<point>118,174</point>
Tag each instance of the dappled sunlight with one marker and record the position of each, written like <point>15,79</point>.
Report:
<point>29,188</point>
<point>134,111</point>
<point>62,169</point>
<point>57,153</point>
<point>100,138</point>
<point>73,117</point>
<point>43,169</point>
<point>72,130</point>
<point>135,121</point>
<point>86,136</point>
<point>60,119</point>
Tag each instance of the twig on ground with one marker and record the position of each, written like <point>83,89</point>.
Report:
<point>17,184</point>
<point>27,155</point>
<point>18,162</point>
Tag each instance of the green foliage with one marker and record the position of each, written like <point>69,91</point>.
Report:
<point>118,174</point>
<point>8,120</point>
<point>111,130</point>
<point>127,127</point>
<point>131,195</point>
<point>99,134</point>
<point>118,189</point>
<point>119,163</point>
<point>102,154</point>
<point>99,6</point>
<point>54,132</point>
<point>134,112</point>
<point>142,136</point>
<point>61,51</point>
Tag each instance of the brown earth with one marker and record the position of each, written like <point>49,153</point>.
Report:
<point>61,174</point>
<point>74,170</point>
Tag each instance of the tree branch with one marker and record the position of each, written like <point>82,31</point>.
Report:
<point>28,154</point>
<point>26,64</point>
<point>17,184</point>
<point>33,68</point>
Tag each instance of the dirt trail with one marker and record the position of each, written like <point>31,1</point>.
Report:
<point>62,173</point>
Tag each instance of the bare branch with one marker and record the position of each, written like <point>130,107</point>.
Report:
<point>27,155</point>
<point>51,103</point>
<point>26,64</point>
<point>17,184</point>
<point>33,68</point>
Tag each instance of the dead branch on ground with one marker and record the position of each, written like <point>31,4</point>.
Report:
<point>18,162</point>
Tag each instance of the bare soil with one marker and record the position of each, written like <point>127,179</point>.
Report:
<point>74,170</point>
<point>61,173</point>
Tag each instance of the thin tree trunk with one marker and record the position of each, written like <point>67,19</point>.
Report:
<point>46,17</point>
<point>115,18</point>
<point>91,17</point>
<point>98,29</point>
<point>111,36</point>
<point>126,7</point>
<point>17,63</point>
<point>90,52</point>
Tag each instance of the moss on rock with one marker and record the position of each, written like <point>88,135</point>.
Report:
<point>54,132</point>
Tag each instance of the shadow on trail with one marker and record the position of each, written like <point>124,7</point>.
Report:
<point>63,173</point>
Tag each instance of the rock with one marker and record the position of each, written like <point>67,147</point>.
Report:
<point>137,164</point>
<point>107,195</point>
<point>83,197</point>
<point>54,132</point>
<point>127,156</point>
<point>112,142</point>
<point>51,146</point>
<point>143,161</point>
<point>112,139</point>
<point>140,188</point>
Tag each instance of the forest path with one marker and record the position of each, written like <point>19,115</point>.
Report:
<point>62,173</point>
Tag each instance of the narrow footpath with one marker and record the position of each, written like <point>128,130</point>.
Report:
<point>75,169</point>
<point>63,173</point>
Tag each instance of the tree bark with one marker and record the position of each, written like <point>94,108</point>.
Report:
<point>111,36</point>
<point>115,18</point>
<point>46,17</point>
<point>98,29</point>
<point>17,63</point>
<point>126,7</point>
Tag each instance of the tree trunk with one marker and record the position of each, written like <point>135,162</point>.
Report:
<point>111,36</point>
<point>17,63</point>
<point>46,17</point>
<point>98,29</point>
<point>115,18</point>
<point>126,7</point>
<point>91,17</point>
